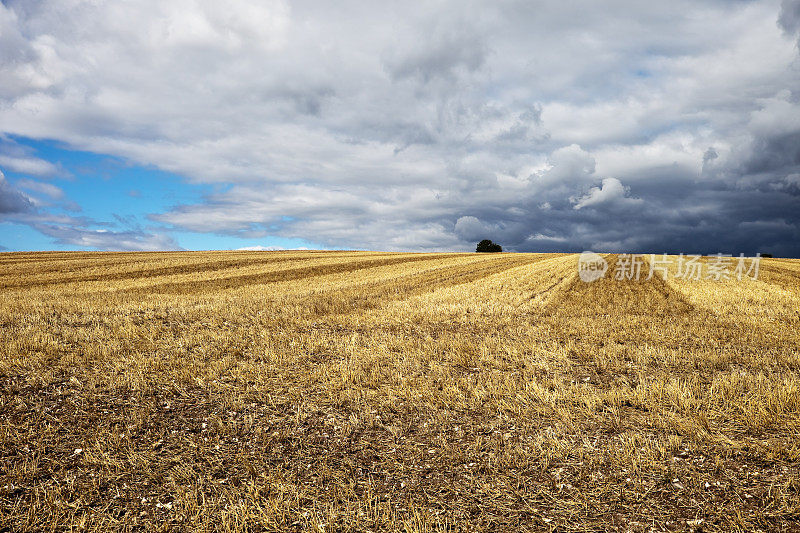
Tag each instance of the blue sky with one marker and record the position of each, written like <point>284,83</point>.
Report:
<point>621,126</point>
<point>107,193</point>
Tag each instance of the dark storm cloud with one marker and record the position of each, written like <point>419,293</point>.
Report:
<point>777,154</point>
<point>789,18</point>
<point>12,201</point>
<point>544,126</point>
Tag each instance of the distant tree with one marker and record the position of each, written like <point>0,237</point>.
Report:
<point>766,255</point>
<point>488,246</point>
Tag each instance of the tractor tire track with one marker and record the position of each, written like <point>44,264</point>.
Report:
<point>260,278</point>
<point>187,268</point>
<point>371,296</point>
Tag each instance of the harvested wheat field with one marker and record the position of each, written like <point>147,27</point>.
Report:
<point>355,391</point>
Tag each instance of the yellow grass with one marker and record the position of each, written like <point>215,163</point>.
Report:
<point>354,391</point>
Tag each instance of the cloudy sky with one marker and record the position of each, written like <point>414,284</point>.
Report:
<point>545,126</point>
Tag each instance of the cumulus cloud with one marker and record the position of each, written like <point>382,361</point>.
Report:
<point>544,126</point>
<point>610,192</point>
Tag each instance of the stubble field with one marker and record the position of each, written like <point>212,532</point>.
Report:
<point>360,391</point>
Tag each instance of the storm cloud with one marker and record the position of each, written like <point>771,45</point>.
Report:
<point>546,126</point>
<point>12,201</point>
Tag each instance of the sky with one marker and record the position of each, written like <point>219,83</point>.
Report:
<point>618,126</point>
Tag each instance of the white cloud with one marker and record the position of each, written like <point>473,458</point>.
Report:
<point>103,239</point>
<point>471,229</point>
<point>47,189</point>
<point>610,191</point>
<point>28,165</point>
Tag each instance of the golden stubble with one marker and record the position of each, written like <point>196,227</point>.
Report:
<point>324,391</point>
